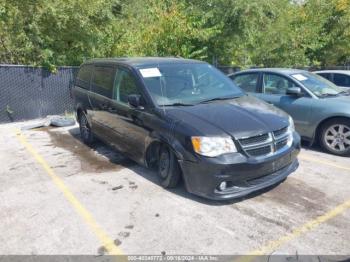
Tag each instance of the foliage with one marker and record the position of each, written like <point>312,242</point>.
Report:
<point>237,32</point>
<point>164,28</point>
<point>51,33</point>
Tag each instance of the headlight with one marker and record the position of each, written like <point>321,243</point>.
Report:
<point>213,146</point>
<point>291,127</point>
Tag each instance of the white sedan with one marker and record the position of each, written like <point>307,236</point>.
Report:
<point>338,77</point>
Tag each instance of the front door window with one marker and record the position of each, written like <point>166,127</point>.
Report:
<point>125,85</point>
<point>276,85</point>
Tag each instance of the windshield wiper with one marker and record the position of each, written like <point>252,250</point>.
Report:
<point>177,104</point>
<point>346,93</point>
<point>327,95</point>
<point>217,99</point>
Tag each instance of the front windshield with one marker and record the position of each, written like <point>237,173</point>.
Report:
<point>187,84</point>
<point>317,84</point>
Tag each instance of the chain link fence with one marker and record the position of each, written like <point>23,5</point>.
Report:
<point>28,92</point>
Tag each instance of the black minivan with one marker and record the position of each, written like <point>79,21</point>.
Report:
<point>189,121</point>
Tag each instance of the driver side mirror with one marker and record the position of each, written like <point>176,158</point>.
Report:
<point>135,101</point>
<point>294,91</point>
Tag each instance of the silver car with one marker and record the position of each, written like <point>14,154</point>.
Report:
<point>320,109</point>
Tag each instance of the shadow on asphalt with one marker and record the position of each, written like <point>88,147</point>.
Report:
<point>315,147</point>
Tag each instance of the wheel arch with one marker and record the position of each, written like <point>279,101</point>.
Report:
<point>324,121</point>
<point>152,151</point>
<point>80,109</point>
<point>153,148</point>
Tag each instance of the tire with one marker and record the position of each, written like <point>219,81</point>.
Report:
<point>85,130</point>
<point>335,137</point>
<point>168,168</point>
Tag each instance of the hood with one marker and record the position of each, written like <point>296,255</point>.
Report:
<point>337,104</point>
<point>343,100</point>
<point>241,117</point>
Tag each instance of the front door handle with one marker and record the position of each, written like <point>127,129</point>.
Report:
<point>112,110</point>
<point>103,106</point>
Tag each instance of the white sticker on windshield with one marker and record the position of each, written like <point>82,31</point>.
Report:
<point>150,72</point>
<point>299,77</point>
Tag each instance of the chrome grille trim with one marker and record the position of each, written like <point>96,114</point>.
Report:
<point>267,141</point>
<point>280,132</point>
<point>259,151</point>
<point>254,139</point>
<point>277,141</point>
<point>281,143</point>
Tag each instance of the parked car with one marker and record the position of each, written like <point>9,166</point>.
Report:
<point>338,77</point>
<point>320,109</point>
<point>188,120</point>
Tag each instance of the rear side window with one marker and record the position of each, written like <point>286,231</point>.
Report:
<point>126,85</point>
<point>328,76</point>
<point>248,82</point>
<point>84,76</point>
<point>103,80</point>
<point>342,80</point>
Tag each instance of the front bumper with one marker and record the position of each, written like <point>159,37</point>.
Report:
<point>244,175</point>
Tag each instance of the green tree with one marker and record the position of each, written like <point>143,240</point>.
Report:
<point>326,24</point>
<point>254,32</point>
<point>163,28</point>
<point>232,32</point>
<point>57,32</point>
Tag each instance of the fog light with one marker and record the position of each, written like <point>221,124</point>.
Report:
<point>223,186</point>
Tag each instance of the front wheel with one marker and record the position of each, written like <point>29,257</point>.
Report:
<point>335,137</point>
<point>168,168</point>
<point>85,130</point>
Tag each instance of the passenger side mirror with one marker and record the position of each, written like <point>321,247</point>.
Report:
<point>135,101</point>
<point>294,91</point>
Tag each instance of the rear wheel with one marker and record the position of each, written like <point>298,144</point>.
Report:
<point>335,136</point>
<point>168,167</point>
<point>85,130</point>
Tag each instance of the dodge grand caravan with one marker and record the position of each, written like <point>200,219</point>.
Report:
<point>189,121</point>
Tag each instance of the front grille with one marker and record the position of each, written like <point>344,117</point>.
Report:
<point>282,143</point>
<point>265,144</point>
<point>261,151</point>
<point>280,132</point>
<point>254,139</point>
